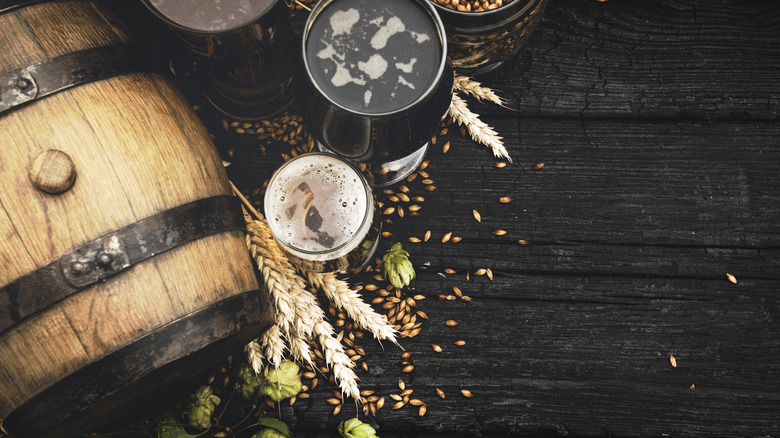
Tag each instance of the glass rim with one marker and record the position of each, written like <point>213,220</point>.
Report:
<point>476,21</point>
<point>430,89</point>
<point>368,216</point>
<point>167,20</point>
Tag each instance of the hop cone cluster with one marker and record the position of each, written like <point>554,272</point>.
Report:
<point>201,407</point>
<point>397,268</point>
<point>355,428</point>
<point>281,383</point>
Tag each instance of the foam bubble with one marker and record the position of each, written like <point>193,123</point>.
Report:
<point>311,194</point>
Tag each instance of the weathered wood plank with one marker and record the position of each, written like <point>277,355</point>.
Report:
<point>636,182</point>
<point>550,360</point>
<point>649,59</point>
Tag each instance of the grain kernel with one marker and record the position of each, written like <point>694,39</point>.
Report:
<point>523,242</point>
<point>436,348</point>
<point>423,409</point>
<point>537,166</point>
<point>731,278</point>
<point>499,165</point>
<point>446,238</point>
<point>505,199</point>
<point>477,216</point>
<point>414,240</point>
<point>451,323</point>
<point>440,393</point>
<point>466,393</point>
<point>672,361</point>
<point>499,232</point>
<point>416,402</point>
<point>460,343</point>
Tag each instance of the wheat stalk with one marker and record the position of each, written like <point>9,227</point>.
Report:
<point>473,88</point>
<point>337,359</point>
<point>479,130</point>
<point>304,319</point>
<point>271,341</point>
<point>255,354</point>
<point>350,301</point>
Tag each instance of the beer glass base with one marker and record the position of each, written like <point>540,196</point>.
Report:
<point>242,111</point>
<point>385,174</point>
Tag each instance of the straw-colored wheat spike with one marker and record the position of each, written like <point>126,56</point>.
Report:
<point>255,355</point>
<point>475,89</point>
<point>479,130</point>
<point>350,301</point>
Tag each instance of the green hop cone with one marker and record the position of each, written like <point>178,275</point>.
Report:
<point>248,381</point>
<point>397,268</point>
<point>354,428</point>
<point>273,428</point>
<point>281,383</point>
<point>201,407</point>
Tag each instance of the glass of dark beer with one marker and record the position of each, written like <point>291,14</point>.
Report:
<point>322,213</point>
<point>243,49</point>
<point>374,82</point>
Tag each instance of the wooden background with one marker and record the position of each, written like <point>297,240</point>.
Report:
<point>657,123</point>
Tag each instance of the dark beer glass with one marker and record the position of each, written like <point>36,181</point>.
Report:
<point>374,82</point>
<point>322,213</point>
<point>244,48</point>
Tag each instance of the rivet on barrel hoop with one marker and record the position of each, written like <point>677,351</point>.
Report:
<point>104,260</point>
<point>22,83</point>
<point>78,268</point>
<point>52,171</point>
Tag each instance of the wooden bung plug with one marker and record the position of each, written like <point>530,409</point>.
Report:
<point>52,171</point>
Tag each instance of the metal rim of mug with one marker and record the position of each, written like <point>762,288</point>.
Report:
<point>167,20</point>
<point>367,217</point>
<point>478,22</point>
<point>438,24</point>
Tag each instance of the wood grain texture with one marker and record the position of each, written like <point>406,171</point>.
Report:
<point>656,124</point>
<point>672,59</point>
<point>139,150</point>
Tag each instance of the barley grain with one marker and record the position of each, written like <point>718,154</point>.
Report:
<point>440,393</point>
<point>466,393</point>
<point>731,278</point>
<point>460,343</point>
<point>477,216</point>
<point>436,348</point>
<point>451,323</point>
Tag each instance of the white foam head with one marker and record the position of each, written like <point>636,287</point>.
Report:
<point>318,206</point>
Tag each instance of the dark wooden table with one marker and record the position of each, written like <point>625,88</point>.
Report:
<point>657,123</point>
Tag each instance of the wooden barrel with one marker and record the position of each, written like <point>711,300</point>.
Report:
<point>124,262</point>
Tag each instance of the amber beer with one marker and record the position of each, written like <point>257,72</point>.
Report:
<point>321,211</point>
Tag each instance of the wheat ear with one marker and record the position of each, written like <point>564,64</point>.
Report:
<point>271,341</point>
<point>473,88</point>
<point>351,302</point>
<point>479,130</point>
<point>255,355</point>
<point>338,360</point>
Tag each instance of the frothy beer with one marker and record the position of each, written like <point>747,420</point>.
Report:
<point>373,56</point>
<point>321,211</point>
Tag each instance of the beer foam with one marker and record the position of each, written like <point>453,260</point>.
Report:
<point>356,46</point>
<point>317,204</point>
